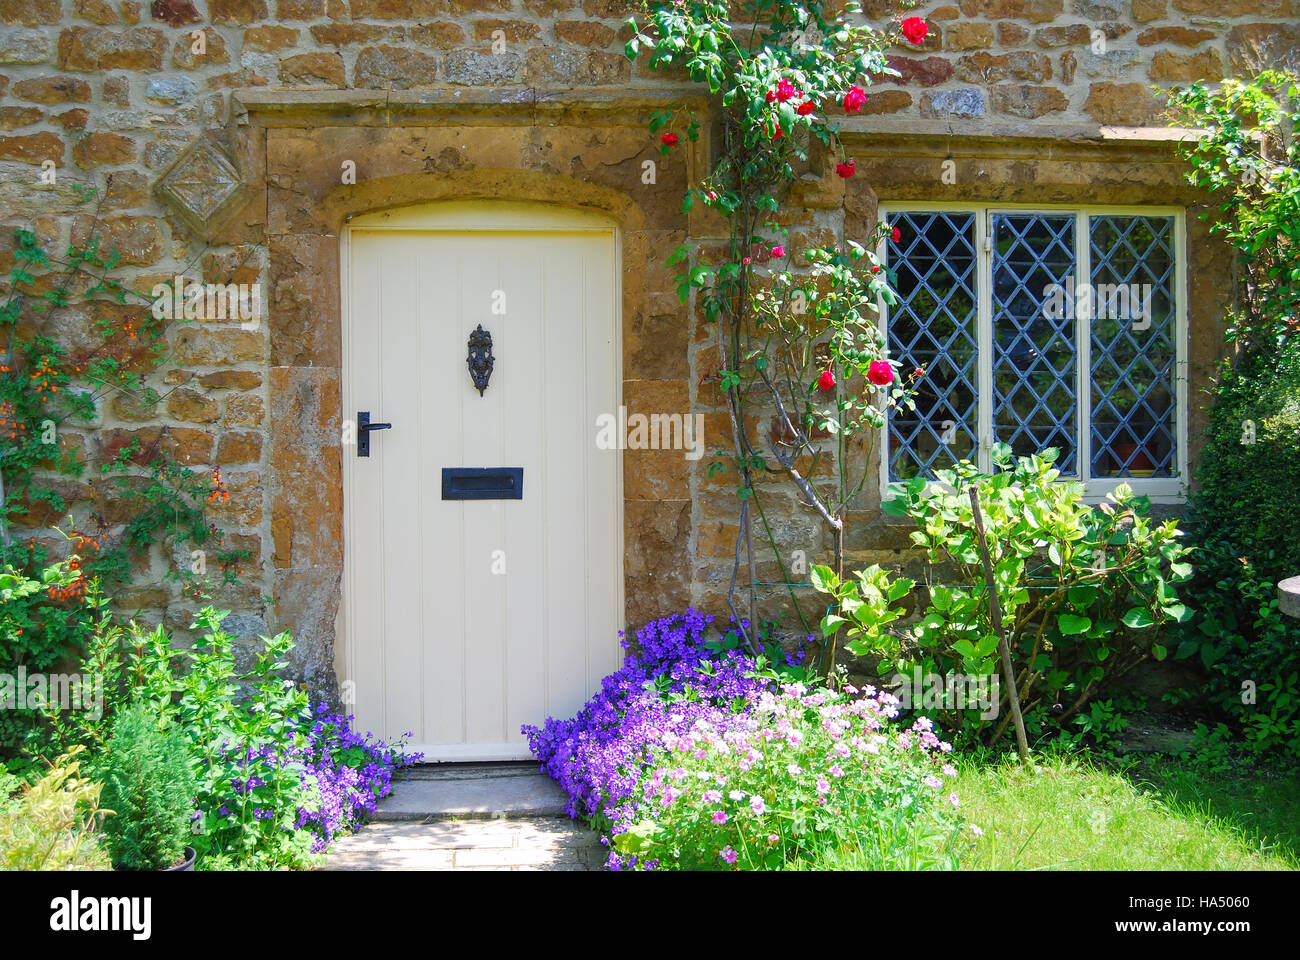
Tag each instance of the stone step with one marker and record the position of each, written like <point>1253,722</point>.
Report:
<point>465,791</point>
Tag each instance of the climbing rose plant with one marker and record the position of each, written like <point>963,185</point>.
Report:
<point>798,343</point>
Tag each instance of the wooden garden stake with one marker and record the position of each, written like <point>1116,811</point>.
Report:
<point>995,613</point>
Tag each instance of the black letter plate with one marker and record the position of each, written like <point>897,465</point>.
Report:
<point>482,483</point>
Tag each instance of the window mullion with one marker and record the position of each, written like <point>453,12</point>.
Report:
<point>984,255</point>
<point>1083,337</point>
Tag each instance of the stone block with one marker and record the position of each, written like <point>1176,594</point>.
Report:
<point>52,90</point>
<point>96,48</point>
<point>385,67</point>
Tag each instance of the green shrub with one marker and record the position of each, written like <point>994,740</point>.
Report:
<point>41,622</point>
<point>54,823</point>
<point>1244,523</point>
<point>1247,499</point>
<point>1085,592</point>
<point>150,789</point>
<point>239,728</point>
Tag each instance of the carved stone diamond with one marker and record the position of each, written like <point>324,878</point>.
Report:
<point>200,185</point>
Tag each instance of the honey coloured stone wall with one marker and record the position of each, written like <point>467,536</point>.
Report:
<point>215,131</point>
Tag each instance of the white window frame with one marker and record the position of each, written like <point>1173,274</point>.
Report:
<point>1158,489</point>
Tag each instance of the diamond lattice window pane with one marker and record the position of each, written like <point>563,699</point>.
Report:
<point>934,327</point>
<point>1034,353</point>
<point>1133,355</point>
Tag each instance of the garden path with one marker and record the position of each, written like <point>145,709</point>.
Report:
<point>498,816</point>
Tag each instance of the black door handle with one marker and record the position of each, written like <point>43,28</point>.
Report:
<point>364,426</point>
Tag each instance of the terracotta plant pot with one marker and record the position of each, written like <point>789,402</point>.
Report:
<point>1140,466</point>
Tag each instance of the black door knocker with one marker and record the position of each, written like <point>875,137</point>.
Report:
<point>480,360</point>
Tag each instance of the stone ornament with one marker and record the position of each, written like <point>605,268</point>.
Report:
<point>200,185</point>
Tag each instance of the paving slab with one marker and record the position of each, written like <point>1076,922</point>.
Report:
<point>532,843</point>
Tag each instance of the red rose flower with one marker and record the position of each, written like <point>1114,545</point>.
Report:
<point>779,133</point>
<point>915,29</point>
<point>778,251</point>
<point>804,108</point>
<point>744,260</point>
<point>669,139</point>
<point>880,373</point>
<point>826,381</point>
<point>854,99</point>
<point>785,90</point>
<point>846,169</point>
<point>896,235</point>
<point>769,96</point>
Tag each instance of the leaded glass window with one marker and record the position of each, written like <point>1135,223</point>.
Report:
<point>1039,328</point>
<point>1133,353</point>
<point>934,327</point>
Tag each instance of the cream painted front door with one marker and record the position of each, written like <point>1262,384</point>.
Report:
<point>466,618</point>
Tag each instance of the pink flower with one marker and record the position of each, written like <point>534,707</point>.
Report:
<point>949,770</point>
<point>669,139</point>
<point>846,169</point>
<point>880,373</point>
<point>719,817</point>
<point>757,805</point>
<point>934,783</point>
<point>785,90</point>
<point>823,786</point>
<point>915,29</point>
<point>835,771</point>
<point>778,251</point>
<point>712,796</point>
<point>772,838</point>
<point>854,99</point>
<point>729,855</point>
<point>952,798</point>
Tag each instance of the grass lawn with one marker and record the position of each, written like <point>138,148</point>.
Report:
<point>1161,813</point>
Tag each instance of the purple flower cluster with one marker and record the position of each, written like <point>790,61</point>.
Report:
<point>351,774</point>
<point>669,681</point>
<point>335,778</point>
